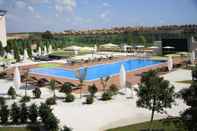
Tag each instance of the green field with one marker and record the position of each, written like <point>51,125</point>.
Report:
<point>19,129</point>
<point>49,65</point>
<point>167,125</point>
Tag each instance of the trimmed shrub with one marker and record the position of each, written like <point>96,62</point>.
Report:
<point>33,113</point>
<point>2,101</point>
<point>25,99</point>
<point>44,110</point>
<point>12,92</point>
<point>15,113</point>
<point>92,90</point>
<point>106,96</point>
<point>4,114</point>
<point>69,98</point>
<point>51,101</point>
<point>24,113</point>
<point>89,99</point>
<point>51,122</point>
<point>37,92</point>
<point>113,89</point>
<point>66,128</point>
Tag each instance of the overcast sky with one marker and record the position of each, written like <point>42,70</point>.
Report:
<point>60,15</point>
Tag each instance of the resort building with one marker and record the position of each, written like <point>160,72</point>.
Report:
<point>3,38</point>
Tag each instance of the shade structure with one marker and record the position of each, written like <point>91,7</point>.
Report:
<point>17,78</point>
<point>39,51</point>
<point>45,51</point>
<point>25,56</point>
<point>50,49</point>
<point>139,46</point>
<point>109,45</point>
<point>73,48</point>
<point>122,76</point>
<point>170,63</point>
<point>153,47</point>
<point>168,47</point>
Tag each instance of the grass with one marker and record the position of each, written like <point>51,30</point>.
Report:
<point>167,125</point>
<point>185,81</point>
<point>19,129</point>
<point>49,65</point>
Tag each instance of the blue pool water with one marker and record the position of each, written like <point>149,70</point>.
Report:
<point>97,71</point>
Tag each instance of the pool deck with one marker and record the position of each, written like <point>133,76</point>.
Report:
<point>133,77</point>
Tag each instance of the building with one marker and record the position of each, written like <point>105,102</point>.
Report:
<point>3,37</point>
<point>178,45</point>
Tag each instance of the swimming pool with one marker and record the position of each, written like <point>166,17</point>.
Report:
<point>97,71</point>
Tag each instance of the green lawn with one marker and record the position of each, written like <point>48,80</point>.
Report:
<point>49,65</point>
<point>19,129</point>
<point>167,125</point>
<point>185,81</point>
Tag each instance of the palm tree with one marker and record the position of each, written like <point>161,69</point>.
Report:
<point>104,82</point>
<point>52,87</point>
<point>81,76</point>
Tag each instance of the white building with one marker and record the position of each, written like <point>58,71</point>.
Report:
<point>3,37</point>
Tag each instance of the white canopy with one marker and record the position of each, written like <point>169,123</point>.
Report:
<point>153,47</point>
<point>168,47</point>
<point>17,78</point>
<point>122,76</point>
<point>139,46</point>
<point>74,48</point>
<point>109,45</point>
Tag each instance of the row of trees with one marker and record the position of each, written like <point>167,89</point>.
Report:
<point>21,114</point>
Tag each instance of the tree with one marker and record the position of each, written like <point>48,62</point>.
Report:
<point>24,113</point>
<point>92,90</point>
<point>2,101</point>
<point>37,92</point>
<point>189,116</point>
<point>47,35</point>
<point>44,110</point>
<point>4,114</point>
<point>51,122</point>
<point>12,92</point>
<point>1,49</point>
<point>155,93</point>
<point>33,113</point>
<point>15,113</point>
<point>67,87</point>
<point>81,76</point>
<point>52,87</point>
<point>104,81</point>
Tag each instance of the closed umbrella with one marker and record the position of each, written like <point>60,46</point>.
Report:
<point>45,51</point>
<point>17,78</point>
<point>170,63</point>
<point>50,49</point>
<point>122,76</point>
<point>193,56</point>
<point>25,57</point>
<point>95,48</point>
<point>39,51</point>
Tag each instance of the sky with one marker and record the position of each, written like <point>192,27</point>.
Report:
<point>60,15</point>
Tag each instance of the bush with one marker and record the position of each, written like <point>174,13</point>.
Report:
<point>44,110</point>
<point>106,96</point>
<point>12,92</point>
<point>2,75</point>
<point>51,101</point>
<point>113,89</point>
<point>92,90</point>
<point>69,98</point>
<point>66,128</point>
<point>89,99</point>
<point>2,101</point>
<point>51,122</point>
<point>15,113</point>
<point>33,113</point>
<point>67,87</point>
<point>24,113</point>
<point>25,99</point>
<point>4,114</point>
<point>37,92</point>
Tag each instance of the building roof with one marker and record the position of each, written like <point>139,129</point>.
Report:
<point>2,12</point>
